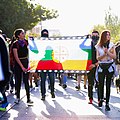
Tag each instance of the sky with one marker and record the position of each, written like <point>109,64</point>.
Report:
<point>77,17</point>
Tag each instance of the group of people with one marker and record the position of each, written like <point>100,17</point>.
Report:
<point>102,67</point>
<point>15,64</point>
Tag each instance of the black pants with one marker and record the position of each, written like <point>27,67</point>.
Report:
<point>2,90</point>
<point>19,75</point>
<point>43,76</point>
<point>91,78</point>
<point>12,76</point>
<point>101,79</point>
<point>3,86</point>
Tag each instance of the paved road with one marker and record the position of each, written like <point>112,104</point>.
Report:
<point>69,104</point>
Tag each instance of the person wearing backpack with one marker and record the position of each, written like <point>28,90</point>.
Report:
<point>20,52</point>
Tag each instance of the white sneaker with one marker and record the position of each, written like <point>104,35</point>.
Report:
<point>17,101</point>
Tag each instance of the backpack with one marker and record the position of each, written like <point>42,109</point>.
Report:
<point>117,49</point>
<point>11,54</point>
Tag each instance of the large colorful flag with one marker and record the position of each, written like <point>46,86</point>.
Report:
<point>64,53</point>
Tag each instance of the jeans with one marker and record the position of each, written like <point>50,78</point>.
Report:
<point>51,78</point>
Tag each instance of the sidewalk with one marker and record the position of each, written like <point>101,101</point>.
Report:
<point>69,104</point>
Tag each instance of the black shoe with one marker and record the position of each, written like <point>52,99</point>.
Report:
<point>52,95</point>
<point>60,84</point>
<point>107,108</point>
<point>29,102</point>
<point>11,90</point>
<point>43,98</point>
<point>100,103</point>
<point>36,84</point>
<point>48,86</point>
<point>64,86</point>
<point>77,87</point>
<point>31,86</point>
<point>85,87</point>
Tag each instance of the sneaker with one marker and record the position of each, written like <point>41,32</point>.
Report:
<point>90,101</point>
<point>3,106</point>
<point>100,103</point>
<point>52,95</point>
<point>107,108</point>
<point>64,86</point>
<point>17,101</point>
<point>29,102</point>
<point>77,87</point>
<point>43,98</point>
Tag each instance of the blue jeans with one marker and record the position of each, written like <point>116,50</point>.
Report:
<point>64,79</point>
<point>43,76</point>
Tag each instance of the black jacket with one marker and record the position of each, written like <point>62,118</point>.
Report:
<point>4,62</point>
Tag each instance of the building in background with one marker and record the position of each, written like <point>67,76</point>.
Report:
<point>37,30</point>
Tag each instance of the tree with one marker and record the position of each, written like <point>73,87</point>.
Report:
<point>22,14</point>
<point>99,28</point>
<point>112,23</point>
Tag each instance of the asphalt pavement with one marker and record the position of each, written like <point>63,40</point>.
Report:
<point>68,104</point>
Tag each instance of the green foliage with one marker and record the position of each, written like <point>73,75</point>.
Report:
<point>21,14</point>
<point>99,28</point>
<point>112,23</point>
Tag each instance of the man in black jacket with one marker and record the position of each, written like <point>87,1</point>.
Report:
<point>91,74</point>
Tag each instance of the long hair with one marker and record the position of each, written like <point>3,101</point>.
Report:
<point>103,38</point>
<point>17,32</point>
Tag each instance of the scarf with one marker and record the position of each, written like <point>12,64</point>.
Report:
<point>21,42</point>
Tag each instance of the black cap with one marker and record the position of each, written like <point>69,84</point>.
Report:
<point>44,33</point>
